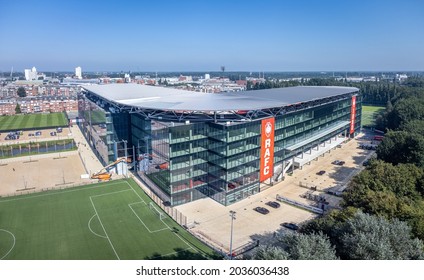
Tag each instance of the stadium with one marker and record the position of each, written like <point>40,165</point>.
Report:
<point>189,145</point>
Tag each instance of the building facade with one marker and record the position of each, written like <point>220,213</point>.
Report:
<point>226,154</point>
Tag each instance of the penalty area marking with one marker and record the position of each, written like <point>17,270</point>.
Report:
<point>138,217</point>
<point>89,227</point>
<point>142,201</point>
<point>13,245</point>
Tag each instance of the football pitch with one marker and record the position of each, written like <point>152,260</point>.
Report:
<point>32,121</point>
<point>113,220</point>
<point>369,114</point>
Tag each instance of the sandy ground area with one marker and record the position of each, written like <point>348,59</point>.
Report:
<point>212,221</point>
<point>37,173</point>
<point>56,170</point>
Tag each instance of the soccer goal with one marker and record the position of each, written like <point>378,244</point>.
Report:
<point>157,211</point>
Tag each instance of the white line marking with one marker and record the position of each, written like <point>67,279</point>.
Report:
<point>98,195</point>
<point>47,194</point>
<point>89,227</point>
<point>136,193</point>
<point>110,242</point>
<point>14,242</point>
<point>150,231</point>
<point>173,253</point>
<point>161,221</point>
<point>136,203</point>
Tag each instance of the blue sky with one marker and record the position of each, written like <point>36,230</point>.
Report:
<point>284,35</point>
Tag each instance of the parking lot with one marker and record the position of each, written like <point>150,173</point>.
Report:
<point>35,136</point>
<point>212,221</point>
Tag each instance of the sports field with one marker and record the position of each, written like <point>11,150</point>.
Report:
<point>112,220</point>
<point>32,121</point>
<point>369,114</point>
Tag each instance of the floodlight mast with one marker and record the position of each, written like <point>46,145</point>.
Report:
<point>233,217</point>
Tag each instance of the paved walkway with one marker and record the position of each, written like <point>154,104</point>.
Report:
<point>88,157</point>
<point>212,221</point>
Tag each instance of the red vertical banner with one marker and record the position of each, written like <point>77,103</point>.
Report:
<point>353,115</point>
<point>267,149</point>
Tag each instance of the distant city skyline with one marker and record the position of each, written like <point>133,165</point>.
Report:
<point>168,36</point>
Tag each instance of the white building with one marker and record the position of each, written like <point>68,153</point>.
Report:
<point>401,77</point>
<point>207,77</point>
<point>127,78</point>
<point>78,72</point>
<point>31,74</point>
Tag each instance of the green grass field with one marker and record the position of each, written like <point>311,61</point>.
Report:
<point>35,121</point>
<point>110,220</point>
<point>369,114</point>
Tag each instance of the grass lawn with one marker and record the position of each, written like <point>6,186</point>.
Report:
<point>35,121</point>
<point>110,220</point>
<point>370,113</point>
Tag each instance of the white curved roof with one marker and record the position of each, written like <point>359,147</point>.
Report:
<point>170,99</point>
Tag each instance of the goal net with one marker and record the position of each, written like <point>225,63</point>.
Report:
<point>160,214</point>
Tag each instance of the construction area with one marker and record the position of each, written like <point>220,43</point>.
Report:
<point>306,191</point>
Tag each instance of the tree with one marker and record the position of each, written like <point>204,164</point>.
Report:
<point>405,110</point>
<point>401,179</point>
<point>314,246</point>
<point>270,253</point>
<point>414,126</point>
<point>390,191</point>
<point>369,237</point>
<point>402,147</point>
<point>21,92</point>
<point>18,109</point>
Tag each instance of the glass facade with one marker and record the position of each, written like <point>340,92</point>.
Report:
<point>103,128</point>
<point>189,160</point>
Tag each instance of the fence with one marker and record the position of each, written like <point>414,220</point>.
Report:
<point>207,240</point>
<point>301,205</point>
<point>245,248</point>
<point>176,215</point>
<point>148,186</point>
<point>32,190</point>
<point>309,186</point>
<point>36,148</point>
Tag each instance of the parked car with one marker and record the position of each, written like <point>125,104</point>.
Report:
<point>53,133</point>
<point>291,226</point>
<point>261,210</point>
<point>273,204</point>
<point>322,172</point>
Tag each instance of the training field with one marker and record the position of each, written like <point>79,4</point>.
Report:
<point>369,114</point>
<point>110,220</point>
<point>18,122</point>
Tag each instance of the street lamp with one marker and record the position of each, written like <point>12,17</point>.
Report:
<point>126,157</point>
<point>233,217</point>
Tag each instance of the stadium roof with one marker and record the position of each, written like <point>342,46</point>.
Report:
<point>170,99</point>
